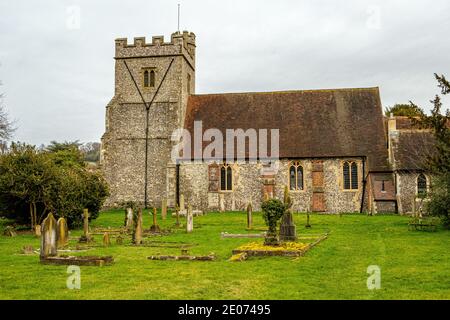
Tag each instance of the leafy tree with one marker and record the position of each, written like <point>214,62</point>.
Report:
<point>439,161</point>
<point>33,183</point>
<point>407,110</point>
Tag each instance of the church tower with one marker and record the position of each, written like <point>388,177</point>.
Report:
<point>162,72</point>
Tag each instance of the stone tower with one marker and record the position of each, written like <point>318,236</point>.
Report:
<point>123,143</point>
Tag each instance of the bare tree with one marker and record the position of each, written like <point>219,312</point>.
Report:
<point>6,126</point>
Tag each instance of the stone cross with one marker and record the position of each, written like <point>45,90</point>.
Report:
<point>48,238</point>
<point>129,223</point>
<point>137,235</point>
<point>189,220</point>
<point>62,235</point>
<point>249,215</point>
<point>85,237</point>
<point>106,240</point>
<point>288,230</point>
<point>164,209</point>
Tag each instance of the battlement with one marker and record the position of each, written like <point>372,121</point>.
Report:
<point>180,42</point>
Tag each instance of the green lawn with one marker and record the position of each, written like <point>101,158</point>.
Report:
<point>414,265</point>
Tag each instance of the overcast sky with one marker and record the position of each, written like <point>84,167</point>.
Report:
<point>58,71</point>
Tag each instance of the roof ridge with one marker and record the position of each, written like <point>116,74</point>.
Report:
<point>287,91</point>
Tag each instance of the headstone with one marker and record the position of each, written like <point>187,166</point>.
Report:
<point>154,227</point>
<point>129,223</point>
<point>189,220</point>
<point>62,233</point>
<point>106,240</point>
<point>86,236</point>
<point>249,216</point>
<point>48,238</point>
<point>288,230</point>
<point>9,232</point>
<point>37,230</point>
<point>164,209</point>
<point>137,234</point>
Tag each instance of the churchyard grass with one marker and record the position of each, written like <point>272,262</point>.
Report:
<point>414,264</point>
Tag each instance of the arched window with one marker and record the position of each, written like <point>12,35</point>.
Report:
<point>152,78</point>
<point>146,78</point>
<point>350,175</point>
<point>295,176</point>
<point>226,178</point>
<point>421,185</point>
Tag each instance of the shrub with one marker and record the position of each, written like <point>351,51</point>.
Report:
<point>273,210</point>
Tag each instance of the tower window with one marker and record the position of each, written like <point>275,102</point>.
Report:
<point>149,78</point>
<point>226,178</point>
<point>350,175</point>
<point>422,185</point>
<point>295,176</point>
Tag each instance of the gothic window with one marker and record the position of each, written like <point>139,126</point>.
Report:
<point>146,78</point>
<point>295,176</point>
<point>149,78</point>
<point>152,78</point>
<point>421,185</point>
<point>226,178</point>
<point>350,175</point>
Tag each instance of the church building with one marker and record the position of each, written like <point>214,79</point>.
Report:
<point>337,151</point>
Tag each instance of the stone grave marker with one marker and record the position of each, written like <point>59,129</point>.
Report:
<point>62,233</point>
<point>154,227</point>
<point>37,230</point>
<point>48,238</point>
<point>249,216</point>
<point>189,220</point>
<point>164,209</point>
<point>288,231</point>
<point>86,236</point>
<point>129,223</point>
<point>106,240</point>
<point>137,234</point>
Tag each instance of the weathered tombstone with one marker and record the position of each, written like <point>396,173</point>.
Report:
<point>106,240</point>
<point>164,209</point>
<point>137,234</point>
<point>85,237</point>
<point>129,223</point>
<point>37,230</point>
<point>288,230</point>
<point>249,215</point>
<point>154,227</point>
<point>308,225</point>
<point>48,238</point>
<point>28,249</point>
<point>9,232</point>
<point>189,220</point>
<point>62,235</point>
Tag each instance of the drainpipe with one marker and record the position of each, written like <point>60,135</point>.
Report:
<point>364,185</point>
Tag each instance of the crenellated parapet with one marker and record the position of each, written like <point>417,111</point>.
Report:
<point>180,43</point>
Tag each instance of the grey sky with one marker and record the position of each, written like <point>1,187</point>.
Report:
<point>57,80</point>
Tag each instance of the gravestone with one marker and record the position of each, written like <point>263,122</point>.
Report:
<point>9,232</point>
<point>189,220</point>
<point>249,216</point>
<point>164,209</point>
<point>154,227</point>
<point>48,238</point>
<point>106,240</point>
<point>288,230</point>
<point>129,222</point>
<point>37,230</point>
<point>137,234</point>
<point>62,233</point>
<point>86,236</point>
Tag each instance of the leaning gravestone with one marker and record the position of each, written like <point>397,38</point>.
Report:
<point>164,209</point>
<point>154,227</point>
<point>129,223</point>
<point>249,216</point>
<point>189,220</point>
<point>62,235</point>
<point>137,234</point>
<point>48,238</point>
